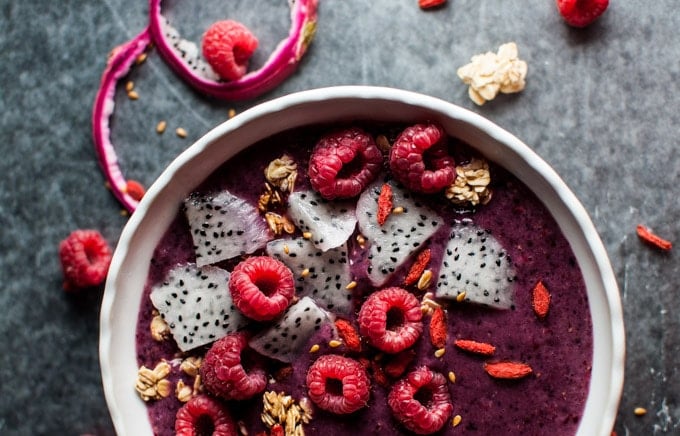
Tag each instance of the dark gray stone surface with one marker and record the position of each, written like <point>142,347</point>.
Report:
<point>600,106</point>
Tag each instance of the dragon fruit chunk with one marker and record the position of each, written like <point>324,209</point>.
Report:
<point>400,236</point>
<point>196,304</point>
<point>284,340</point>
<point>475,262</point>
<point>329,272</point>
<point>224,226</point>
<point>330,223</point>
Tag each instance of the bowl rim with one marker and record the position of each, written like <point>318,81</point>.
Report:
<point>614,341</point>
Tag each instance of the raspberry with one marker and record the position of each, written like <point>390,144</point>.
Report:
<point>420,161</point>
<point>421,401</point>
<point>204,415</point>
<point>391,319</point>
<point>223,372</point>
<point>338,384</point>
<point>85,258</point>
<point>580,13</point>
<point>343,163</point>
<point>227,47</point>
<point>261,287</point>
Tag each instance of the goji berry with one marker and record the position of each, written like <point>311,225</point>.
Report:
<point>438,330</point>
<point>384,203</point>
<point>397,364</point>
<point>134,189</point>
<point>540,300</point>
<point>475,347</point>
<point>418,267</point>
<point>349,335</point>
<point>426,4</point>
<point>649,237</point>
<point>507,370</point>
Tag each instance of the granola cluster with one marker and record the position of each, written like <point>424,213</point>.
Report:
<point>491,73</point>
<point>471,184</point>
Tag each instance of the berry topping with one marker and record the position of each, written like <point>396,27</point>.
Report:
<point>227,47</point>
<point>580,13</point>
<point>391,319</point>
<point>85,258</point>
<point>338,384</point>
<point>420,161</point>
<point>204,415</point>
<point>421,401</point>
<point>261,287</point>
<point>223,371</point>
<point>343,163</point>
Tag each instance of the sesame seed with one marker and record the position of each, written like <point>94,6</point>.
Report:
<point>160,127</point>
<point>460,297</point>
<point>397,210</point>
<point>456,420</point>
<point>440,352</point>
<point>232,113</point>
<point>640,411</point>
<point>307,235</point>
<point>351,285</point>
<point>182,133</point>
<point>129,86</point>
<point>305,272</point>
<point>452,377</point>
<point>140,58</point>
<point>286,249</point>
<point>132,95</point>
<point>314,348</point>
<point>334,343</point>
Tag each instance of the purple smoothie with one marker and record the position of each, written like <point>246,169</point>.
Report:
<point>558,348</point>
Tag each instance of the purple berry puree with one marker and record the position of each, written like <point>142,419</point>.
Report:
<point>558,347</point>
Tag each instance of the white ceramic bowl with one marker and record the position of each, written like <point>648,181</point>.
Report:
<point>140,236</point>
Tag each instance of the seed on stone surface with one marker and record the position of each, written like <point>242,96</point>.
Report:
<point>160,127</point>
<point>181,132</point>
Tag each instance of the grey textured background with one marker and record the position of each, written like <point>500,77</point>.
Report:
<point>600,106</point>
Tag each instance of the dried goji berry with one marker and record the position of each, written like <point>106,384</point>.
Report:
<point>426,4</point>
<point>540,300</point>
<point>507,370</point>
<point>438,328</point>
<point>379,374</point>
<point>418,267</point>
<point>475,347</point>
<point>384,203</point>
<point>646,235</point>
<point>134,189</point>
<point>349,335</point>
<point>277,430</point>
<point>397,364</point>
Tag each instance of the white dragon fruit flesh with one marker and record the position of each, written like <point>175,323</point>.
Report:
<point>474,262</point>
<point>196,304</point>
<point>187,50</point>
<point>224,226</point>
<point>284,340</point>
<point>330,223</point>
<point>400,236</point>
<point>329,272</point>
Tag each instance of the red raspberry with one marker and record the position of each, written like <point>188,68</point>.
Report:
<point>223,372</point>
<point>421,401</point>
<point>338,384</point>
<point>391,319</point>
<point>420,161</point>
<point>85,258</point>
<point>343,163</point>
<point>227,47</point>
<point>261,287</point>
<point>204,415</point>
<point>580,13</point>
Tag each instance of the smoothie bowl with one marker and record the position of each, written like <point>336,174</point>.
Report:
<point>361,260</point>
